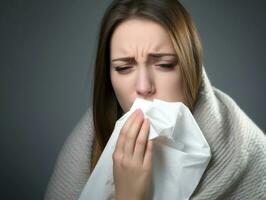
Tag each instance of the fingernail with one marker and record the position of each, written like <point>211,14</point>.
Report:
<point>137,111</point>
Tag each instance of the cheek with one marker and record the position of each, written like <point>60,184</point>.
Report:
<point>170,87</point>
<point>122,89</point>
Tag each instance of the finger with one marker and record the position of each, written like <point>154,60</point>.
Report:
<point>132,134</point>
<point>142,139</point>
<point>119,148</point>
<point>147,162</point>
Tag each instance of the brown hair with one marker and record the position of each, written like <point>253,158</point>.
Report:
<point>176,20</point>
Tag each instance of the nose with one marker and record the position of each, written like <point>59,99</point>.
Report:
<point>144,83</point>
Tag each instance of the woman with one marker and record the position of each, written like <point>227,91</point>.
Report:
<point>150,49</point>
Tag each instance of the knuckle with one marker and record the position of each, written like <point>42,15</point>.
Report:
<point>115,157</point>
<point>124,164</point>
<point>121,137</point>
<point>130,136</point>
<point>141,142</point>
<point>123,129</point>
<point>122,132</point>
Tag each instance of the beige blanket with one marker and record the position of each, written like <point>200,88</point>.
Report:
<point>237,169</point>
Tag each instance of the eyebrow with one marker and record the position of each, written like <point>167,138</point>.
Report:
<point>150,55</point>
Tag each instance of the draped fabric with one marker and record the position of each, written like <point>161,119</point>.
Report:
<point>237,169</point>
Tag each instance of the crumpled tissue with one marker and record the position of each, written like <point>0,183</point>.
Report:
<point>180,153</point>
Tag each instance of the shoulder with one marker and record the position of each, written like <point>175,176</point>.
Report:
<point>240,122</point>
<point>84,128</point>
<point>80,139</point>
<point>72,167</point>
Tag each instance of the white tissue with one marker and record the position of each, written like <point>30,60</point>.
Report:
<point>180,153</point>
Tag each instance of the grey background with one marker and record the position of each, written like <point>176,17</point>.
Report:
<point>47,53</point>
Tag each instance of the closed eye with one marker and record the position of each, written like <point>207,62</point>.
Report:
<point>170,65</point>
<point>125,69</point>
<point>122,69</point>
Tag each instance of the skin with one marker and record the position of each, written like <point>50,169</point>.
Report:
<point>148,75</point>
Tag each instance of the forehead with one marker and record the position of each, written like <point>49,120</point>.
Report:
<point>140,35</point>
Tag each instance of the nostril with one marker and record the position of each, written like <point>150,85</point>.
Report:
<point>146,92</point>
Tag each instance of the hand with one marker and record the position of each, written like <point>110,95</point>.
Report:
<point>132,159</point>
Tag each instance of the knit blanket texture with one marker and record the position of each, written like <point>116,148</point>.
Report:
<point>237,169</point>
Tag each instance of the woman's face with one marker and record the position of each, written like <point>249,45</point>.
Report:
<point>144,63</point>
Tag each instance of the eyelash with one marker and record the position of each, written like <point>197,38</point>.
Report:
<point>165,66</point>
